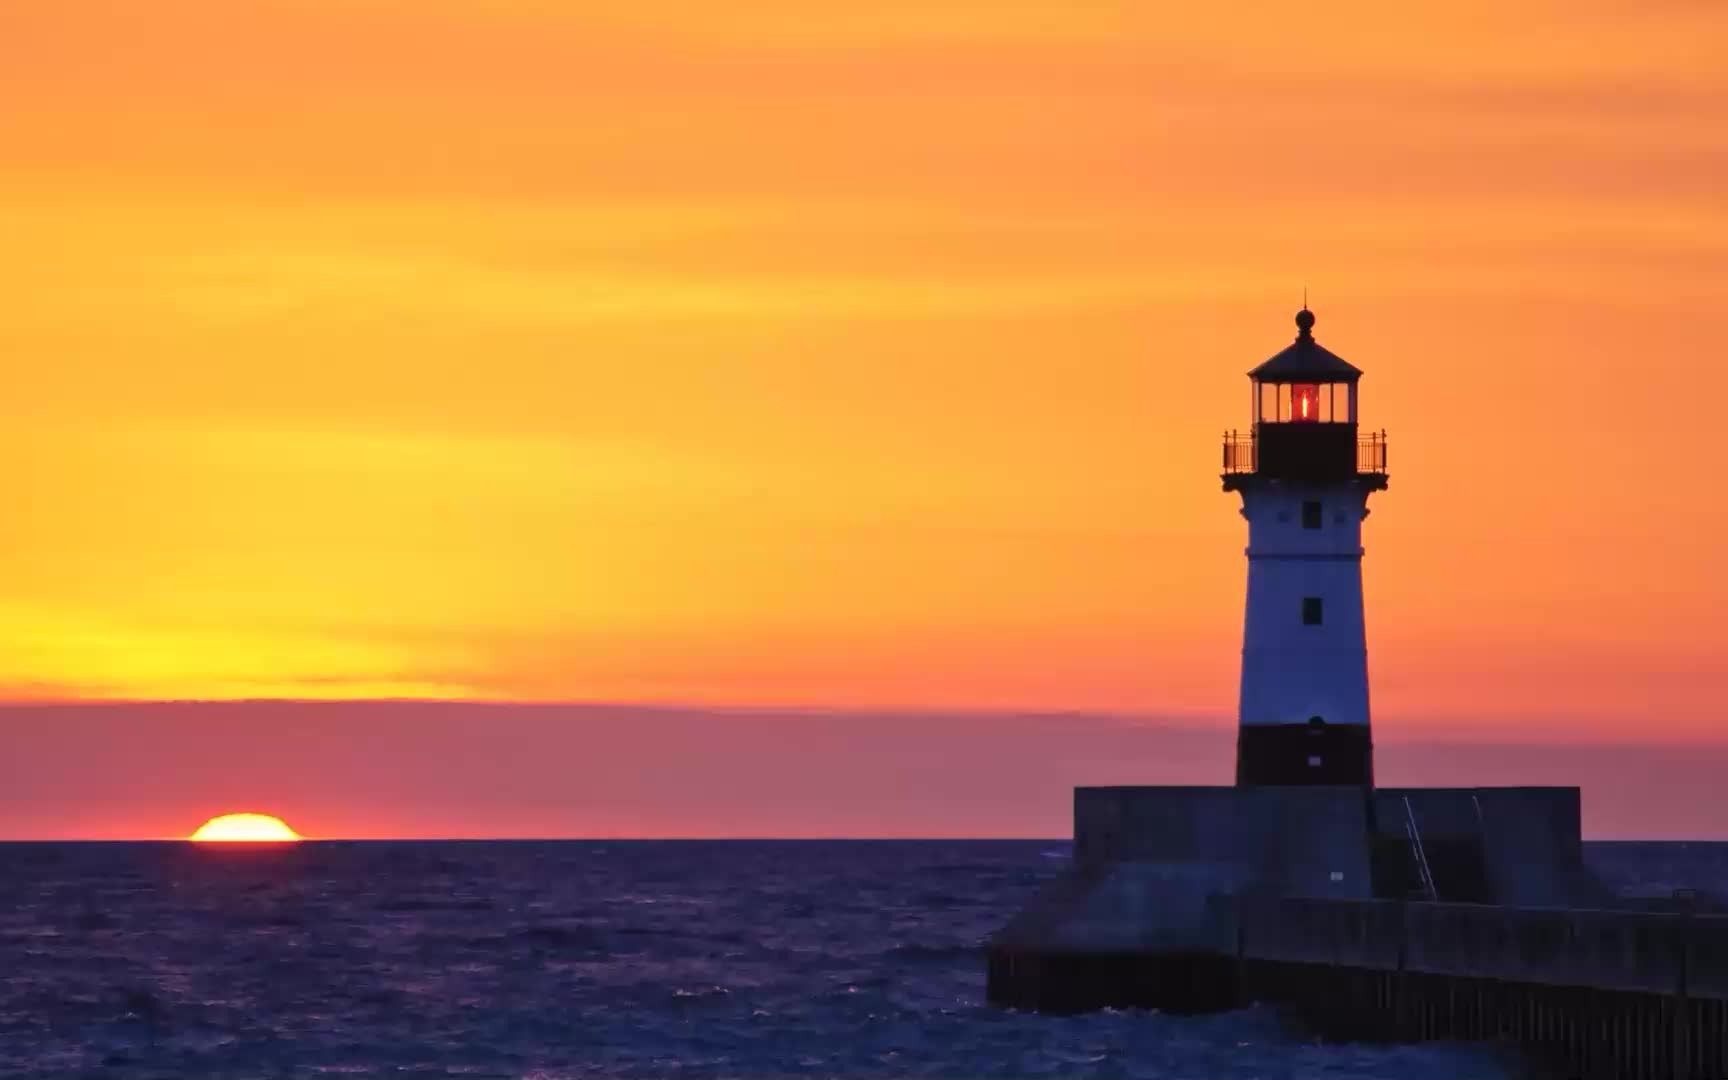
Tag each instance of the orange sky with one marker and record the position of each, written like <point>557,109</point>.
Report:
<point>766,353</point>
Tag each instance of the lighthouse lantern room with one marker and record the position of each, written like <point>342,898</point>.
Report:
<point>1304,471</point>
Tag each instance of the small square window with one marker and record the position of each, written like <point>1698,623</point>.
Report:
<point>1312,515</point>
<point>1313,612</point>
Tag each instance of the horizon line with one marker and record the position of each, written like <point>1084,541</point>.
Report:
<point>270,845</point>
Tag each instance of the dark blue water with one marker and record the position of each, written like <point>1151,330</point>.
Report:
<point>585,959</point>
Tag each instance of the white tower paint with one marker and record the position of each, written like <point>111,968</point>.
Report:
<point>1304,474</point>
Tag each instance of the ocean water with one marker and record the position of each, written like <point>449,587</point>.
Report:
<point>594,959</point>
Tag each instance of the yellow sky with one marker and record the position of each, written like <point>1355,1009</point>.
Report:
<point>765,353</point>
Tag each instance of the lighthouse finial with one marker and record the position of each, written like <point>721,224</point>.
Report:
<point>1305,318</point>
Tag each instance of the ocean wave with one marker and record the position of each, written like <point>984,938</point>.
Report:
<point>949,953</point>
<point>861,960</point>
<point>560,938</point>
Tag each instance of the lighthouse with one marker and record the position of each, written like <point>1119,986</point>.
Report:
<point>1307,886</point>
<point>1304,471</point>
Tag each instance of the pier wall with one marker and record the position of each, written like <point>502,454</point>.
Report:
<point>1578,994</point>
<point>1520,846</point>
<point>1303,841</point>
<point>1585,993</point>
<point>1398,914</point>
<point>1609,950</point>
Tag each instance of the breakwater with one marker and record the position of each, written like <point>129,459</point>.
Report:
<point>1579,993</point>
<point>1585,993</point>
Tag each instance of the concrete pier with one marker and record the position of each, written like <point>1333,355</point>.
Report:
<point>1584,993</point>
<point>1459,914</point>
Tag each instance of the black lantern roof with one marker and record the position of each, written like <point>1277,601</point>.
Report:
<point>1305,360</point>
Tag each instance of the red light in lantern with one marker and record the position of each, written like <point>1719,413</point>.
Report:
<point>1305,403</point>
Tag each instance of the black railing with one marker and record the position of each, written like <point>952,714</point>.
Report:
<point>1242,453</point>
<point>1239,456</point>
<point>1371,452</point>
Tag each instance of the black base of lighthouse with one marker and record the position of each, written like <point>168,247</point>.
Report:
<point>1295,754</point>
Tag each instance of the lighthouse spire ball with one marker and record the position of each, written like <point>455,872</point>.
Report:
<point>1304,470</point>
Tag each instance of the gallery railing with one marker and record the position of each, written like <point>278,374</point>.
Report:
<point>1371,453</point>
<point>1242,452</point>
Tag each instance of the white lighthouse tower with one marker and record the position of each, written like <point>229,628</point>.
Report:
<point>1305,474</point>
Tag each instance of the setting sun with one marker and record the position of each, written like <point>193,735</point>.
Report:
<point>245,829</point>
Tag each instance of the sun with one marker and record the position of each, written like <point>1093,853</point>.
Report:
<point>245,829</point>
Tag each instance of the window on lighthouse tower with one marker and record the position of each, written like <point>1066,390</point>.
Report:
<point>1305,403</point>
